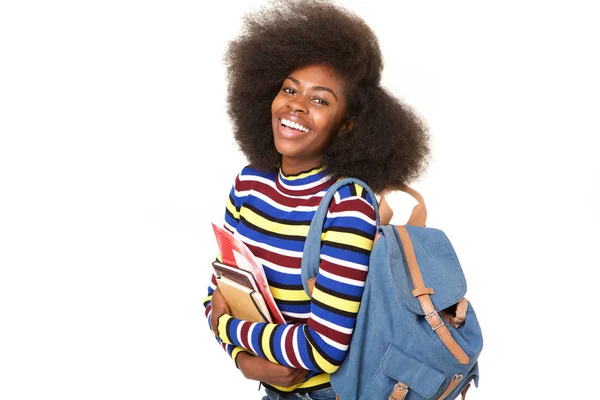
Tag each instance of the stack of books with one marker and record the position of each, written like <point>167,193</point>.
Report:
<point>242,281</point>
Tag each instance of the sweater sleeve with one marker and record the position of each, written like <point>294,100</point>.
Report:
<point>232,217</point>
<point>321,343</point>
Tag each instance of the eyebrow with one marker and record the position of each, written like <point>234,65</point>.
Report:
<point>297,82</point>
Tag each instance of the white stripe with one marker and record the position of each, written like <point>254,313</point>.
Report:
<point>238,332</point>
<point>331,325</point>
<point>296,351</point>
<point>280,268</point>
<point>353,214</point>
<point>305,186</point>
<point>285,208</point>
<point>296,315</point>
<point>283,340</point>
<point>343,279</point>
<point>344,263</point>
<point>231,228</point>
<point>272,184</point>
<point>333,343</point>
<point>249,337</point>
<point>272,249</point>
<point>244,193</point>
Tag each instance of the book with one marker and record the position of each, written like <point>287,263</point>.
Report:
<point>244,303</point>
<point>238,275</point>
<point>235,254</point>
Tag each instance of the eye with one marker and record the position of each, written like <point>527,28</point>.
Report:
<point>288,90</point>
<point>320,101</point>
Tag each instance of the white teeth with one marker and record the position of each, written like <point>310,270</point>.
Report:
<point>294,125</point>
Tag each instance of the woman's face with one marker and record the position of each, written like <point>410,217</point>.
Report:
<point>306,114</point>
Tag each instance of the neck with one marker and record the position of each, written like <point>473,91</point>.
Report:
<point>293,167</point>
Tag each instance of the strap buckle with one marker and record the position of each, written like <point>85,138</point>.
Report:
<point>432,314</point>
<point>399,393</point>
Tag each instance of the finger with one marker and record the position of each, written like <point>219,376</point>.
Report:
<point>299,375</point>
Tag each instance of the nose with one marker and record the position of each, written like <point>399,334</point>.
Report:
<point>298,104</point>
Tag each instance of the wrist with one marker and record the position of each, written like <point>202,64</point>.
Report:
<point>242,360</point>
<point>214,322</point>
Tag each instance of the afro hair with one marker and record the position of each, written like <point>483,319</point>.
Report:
<point>386,145</point>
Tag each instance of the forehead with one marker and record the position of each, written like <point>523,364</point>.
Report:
<point>319,75</point>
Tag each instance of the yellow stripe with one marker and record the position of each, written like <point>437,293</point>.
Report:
<point>323,363</point>
<point>359,189</point>
<point>304,175</point>
<point>348,238</point>
<point>288,294</point>
<point>222,329</point>
<point>335,302</point>
<point>233,210</point>
<point>268,332</point>
<point>275,227</point>
<point>236,350</point>
<point>314,381</point>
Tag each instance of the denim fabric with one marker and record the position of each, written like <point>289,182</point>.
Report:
<point>392,340</point>
<point>321,394</point>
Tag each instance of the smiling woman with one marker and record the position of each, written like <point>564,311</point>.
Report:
<point>303,122</point>
<point>307,115</point>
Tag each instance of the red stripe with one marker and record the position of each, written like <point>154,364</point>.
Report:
<point>289,347</point>
<point>332,334</point>
<point>244,334</point>
<point>342,271</point>
<point>275,258</point>
<point>279,197</point>
<point>306,192</point>
<point>354,205</point>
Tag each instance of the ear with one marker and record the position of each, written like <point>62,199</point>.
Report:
<point>347,126</point>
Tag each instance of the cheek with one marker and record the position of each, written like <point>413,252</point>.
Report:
<point>326,125</point>
<point>276,104</point>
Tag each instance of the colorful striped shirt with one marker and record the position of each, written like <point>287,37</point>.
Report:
<point>271,213</point>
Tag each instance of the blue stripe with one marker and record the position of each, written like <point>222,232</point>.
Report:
<point>331,351</point>
<point>343,254</point>
<point>254,339</point>
<point>340,287</point>
<point>277,342</point>
<point>282,277</point>
<point>327,315</point>
<point>284,244</point>
<point>351,222</point>
<point>303,347</point>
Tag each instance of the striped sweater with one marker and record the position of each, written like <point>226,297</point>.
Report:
<point>271,213</point>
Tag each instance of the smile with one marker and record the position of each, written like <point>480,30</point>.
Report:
<point>294,125</point>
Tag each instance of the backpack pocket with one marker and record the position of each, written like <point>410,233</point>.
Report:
<point>396,366</point>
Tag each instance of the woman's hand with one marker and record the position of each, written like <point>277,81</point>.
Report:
<point>219,307</point>
<point>259,369</point>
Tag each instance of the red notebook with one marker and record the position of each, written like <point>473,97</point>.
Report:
<point>235,253</point>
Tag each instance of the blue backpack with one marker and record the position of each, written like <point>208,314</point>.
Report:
<point>416,336</point>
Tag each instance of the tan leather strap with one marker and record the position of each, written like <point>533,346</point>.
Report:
<point>460,314</point>
<point>465,390</point>
<point>419,212</point>
<point>421,293</point>
<point>400,391</point>
<point>337,397</point>
<point>418,217</point>
<point>385,211</point>
<point>456,379</point>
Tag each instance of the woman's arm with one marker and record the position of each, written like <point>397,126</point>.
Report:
<point>322,342</point>
<point>232,216</point>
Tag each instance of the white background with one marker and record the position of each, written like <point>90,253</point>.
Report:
<point>116,152</point>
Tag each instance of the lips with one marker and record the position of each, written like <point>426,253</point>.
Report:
<point>297,129</point>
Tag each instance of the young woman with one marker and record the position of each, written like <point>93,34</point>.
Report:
<point>307,108</point>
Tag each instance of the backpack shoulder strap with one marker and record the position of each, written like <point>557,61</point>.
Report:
<point>311,256</point>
